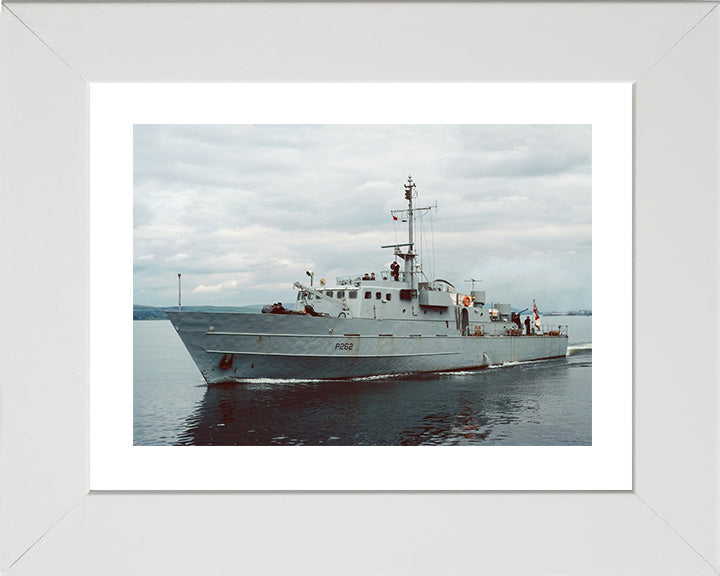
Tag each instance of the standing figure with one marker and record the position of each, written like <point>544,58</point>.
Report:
<point>395,271</point>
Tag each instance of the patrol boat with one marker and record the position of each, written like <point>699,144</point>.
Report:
<point>399,322</point>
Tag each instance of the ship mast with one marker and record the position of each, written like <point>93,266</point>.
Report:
<point>410,256</point>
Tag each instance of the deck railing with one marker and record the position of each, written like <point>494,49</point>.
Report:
<point>550,330</point>
<point>478,330</point>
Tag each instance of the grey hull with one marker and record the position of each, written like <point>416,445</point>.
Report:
<point>234,346</point>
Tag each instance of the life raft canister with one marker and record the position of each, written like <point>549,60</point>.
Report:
<point>467,301</point>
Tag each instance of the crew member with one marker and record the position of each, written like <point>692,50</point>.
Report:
<point>395,271</point>
<point>527,325</point>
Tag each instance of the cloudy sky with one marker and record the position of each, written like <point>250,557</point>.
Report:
<point>243,211</point>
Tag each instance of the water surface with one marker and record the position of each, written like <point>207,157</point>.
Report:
<point>546,403</point>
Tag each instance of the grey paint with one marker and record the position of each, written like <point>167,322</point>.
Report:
<point>231,346</point>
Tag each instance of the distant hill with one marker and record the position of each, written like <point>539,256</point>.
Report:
<point>571,313</point>
<point>158,313</point>
<point>528,312</point>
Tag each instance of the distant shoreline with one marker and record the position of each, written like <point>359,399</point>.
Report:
<point>141,312</point>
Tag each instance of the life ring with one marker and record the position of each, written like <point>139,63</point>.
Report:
<point>467,301</point>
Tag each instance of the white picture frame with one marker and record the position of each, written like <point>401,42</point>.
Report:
<point>667,524</point>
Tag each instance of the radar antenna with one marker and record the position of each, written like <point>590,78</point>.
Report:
<point>473,280</point>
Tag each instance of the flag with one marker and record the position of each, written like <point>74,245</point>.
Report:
<point>536,315</point>
<point>394,217</point>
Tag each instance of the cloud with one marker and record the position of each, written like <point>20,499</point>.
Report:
<point>202,289</point>
<point>243,211</point>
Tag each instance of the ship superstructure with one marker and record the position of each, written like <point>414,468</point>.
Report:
<point>394,322</point>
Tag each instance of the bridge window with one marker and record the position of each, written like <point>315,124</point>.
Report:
<point>341,294</point>
<point>378,295</point>
<point>352,294</point>
<point>368,295</point>
<point>388,296</point>
<point>329,293</point>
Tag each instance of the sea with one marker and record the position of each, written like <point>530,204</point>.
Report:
<point>543,403</point>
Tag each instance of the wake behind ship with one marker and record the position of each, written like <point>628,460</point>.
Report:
<point>400,322</point>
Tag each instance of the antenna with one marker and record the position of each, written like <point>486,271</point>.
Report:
<point>473,280</point>
<point>179,293</point>
<point>412,213</point>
